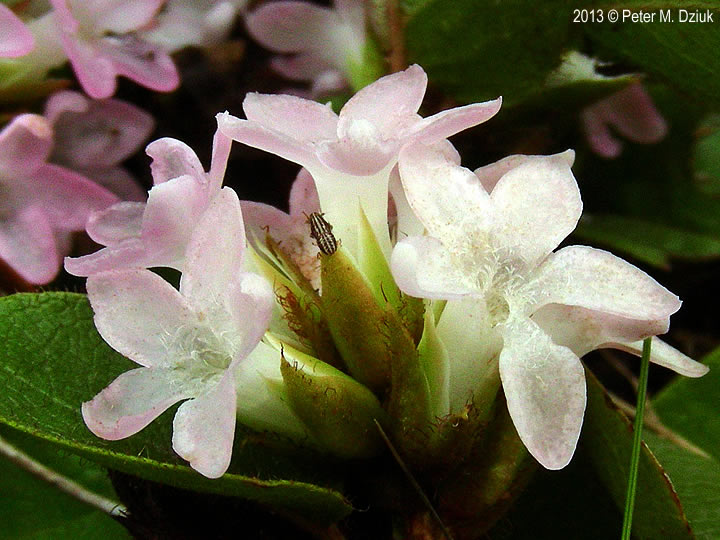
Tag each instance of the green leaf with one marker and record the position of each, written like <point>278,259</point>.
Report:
<point>32,508</point>
<point>697,482</point>
<point>480,50</point>
<point>682,53</point>
<point>54,359</point>
<point>653,243</point>
<point>691,407</point>
<point>607,441</point>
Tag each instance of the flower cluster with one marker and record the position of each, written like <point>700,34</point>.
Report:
<point>103,39</point>
<point>458,265</point>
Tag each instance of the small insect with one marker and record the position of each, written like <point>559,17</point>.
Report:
<point>321,232</point>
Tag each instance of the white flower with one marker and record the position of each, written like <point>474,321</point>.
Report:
<point>489,246</point>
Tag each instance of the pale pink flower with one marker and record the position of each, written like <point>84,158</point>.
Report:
<point>100,38</point>
<point>351,155</point>
<point>631,113</point>
<point>194,344</point>
<point>15,38</point>
<point>201,23</point>
<point>527,311</point>
<point>94,136</point>
<point>40,203</point>
<point>325,43</point>
<point>139,235</point>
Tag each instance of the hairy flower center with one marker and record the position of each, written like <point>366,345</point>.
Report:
<point>201,347</point>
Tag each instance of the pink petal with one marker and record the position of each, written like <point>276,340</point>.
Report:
<point>303,195</point>
<point>300,67</point>
<point>172,212</point>
<point>544,387</point>
<point>631,112</point>
<point>15,38</point>
<point>446,123</point>
<point>422,267</point>
<point>583,330</point>
<point>121,221</point>
<point>132,401</point>
<point>597,280</point>
<point>448,199</point>
<point>361,153</point>
<point>390,104</point>
<point>123,16</point>
<point>215,251</point>
<point>288,27</point>
<point>490,175</point>
<point>257,136</point>
<point>130,253</point>
<point>100,135</point>
<point>204,428</point>
<point>95,72</point>
<point>69,198</point>
<point>135,310</point>
<point>664,355</point>
<point>141,61</point>
<point>300,119</point>
<point>25,145</point>
<point>27,245</point>
<point>118,181</point>
<point>222,144</point>
<point>251,300</point>
<point>537,205</point>
<point>171,159</point>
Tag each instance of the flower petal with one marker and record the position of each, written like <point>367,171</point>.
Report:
<point>448,199</point>
<point>135,312</point>
<point>130,253</point>
<point>583,330</point>
<point>422,267</point>
<point>15,38</point>
<point>303,197</point>
<point>255,135</point>
<point>69,198</point>
<point>447,123</point>
<point>132,401</point>
<point>204,428</point>
<point>27,244</point>
<point>544,387</point>
<point>215,252</point>
<point>664,355</point>
<point>597,280</point>
<point>171,159</point>
<point>390,104</point>
<point>288,27</point>
<point>121,221</point>
<point>250,301</point>
<point>538,204</point>
<point>300,119</point>
<point>490,175</point>
<point>25,145</point>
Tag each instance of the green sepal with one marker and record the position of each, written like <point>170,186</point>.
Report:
<point>356,321</point>
<point>338,411</point>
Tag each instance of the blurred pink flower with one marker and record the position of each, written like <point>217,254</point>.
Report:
<point>100,38</point>
<point>94,136</point>
<point>631,113</point>
<point>324,43</point>
<point>15,38</point>
<point>41,203</point>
